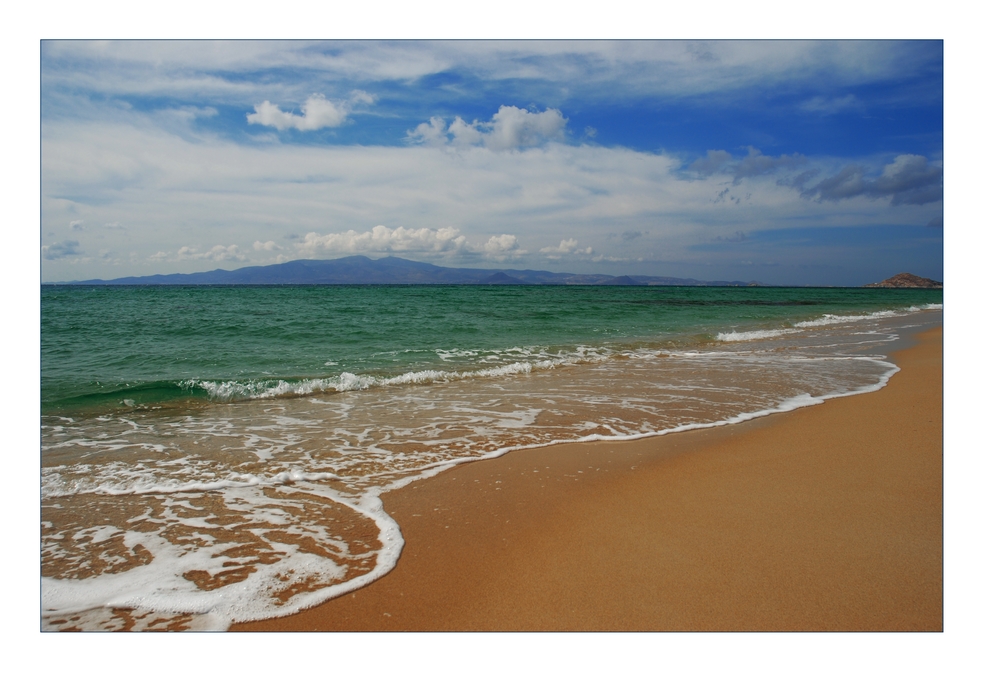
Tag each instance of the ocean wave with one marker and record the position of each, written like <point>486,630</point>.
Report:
<point>228,391</point>
<point>824,321</point>
<point>755,334</point>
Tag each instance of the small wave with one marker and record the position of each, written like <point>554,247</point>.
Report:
<point>756,334</point>
<point>824,321</point>
<point>834,319</point>
<point>227,391</point>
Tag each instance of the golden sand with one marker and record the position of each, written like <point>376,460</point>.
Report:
<point>824,518</point>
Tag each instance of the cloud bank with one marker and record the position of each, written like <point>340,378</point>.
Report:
<point>581,205</point>
<point>909,179</point>
<point>427,241</point>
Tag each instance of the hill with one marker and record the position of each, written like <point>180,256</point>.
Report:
<point>904,280</point>
<point>360,270</point>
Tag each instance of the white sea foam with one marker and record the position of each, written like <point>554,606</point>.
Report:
<point>834,319</point>
<point>754,334</point>
<point>347,381</point>
<point>826,320</point>
<point>123,479</point>
<point>162,587</point>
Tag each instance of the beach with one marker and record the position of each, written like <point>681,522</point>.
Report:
<point>250,460</point>
<point>826,518</point>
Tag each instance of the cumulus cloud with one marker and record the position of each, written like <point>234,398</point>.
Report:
<point>269,246</point>
<point>384,239</point>
<point>502,247</point>
<point>61,250</point>
<point>317,112</point>
<point>567,246</point>
<point>510,128</point>
<point>433,132</point>
<point>465,134</point>
<point>909,179</point>
<point>77,225</point>
<point>447,241</point>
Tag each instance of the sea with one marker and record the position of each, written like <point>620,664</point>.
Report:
<point>219,454</point>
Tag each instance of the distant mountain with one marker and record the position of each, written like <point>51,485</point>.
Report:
<point>502,279</point>
<point>907,280</point>
<point>359,270</point>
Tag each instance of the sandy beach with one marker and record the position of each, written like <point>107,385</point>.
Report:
<point>827,518</point>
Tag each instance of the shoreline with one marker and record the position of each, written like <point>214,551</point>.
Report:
<point>825,518</point>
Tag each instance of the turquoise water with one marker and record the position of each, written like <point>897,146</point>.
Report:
<point>150,345</point>
<point>220,454</point>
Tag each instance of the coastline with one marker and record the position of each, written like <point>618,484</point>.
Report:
<point>825,518</point>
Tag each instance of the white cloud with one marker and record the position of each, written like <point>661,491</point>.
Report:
<point>187,113</point>
<point>431,132</point>
<point>77,225</point>
<point>358,96</point>
<point>418,202</point>
<point>217,253</point>
<point>502,247</point>
<point>510,128</point>
<point>444,242</point>
<point>465,134</point>
<point>269,246</point>
<point>384,239</point>
<point>213,70</point>
<point>513,127</point>
<point>567,246</point>
<point>317,112</point>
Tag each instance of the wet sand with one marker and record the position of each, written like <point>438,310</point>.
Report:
<point>825,518</point>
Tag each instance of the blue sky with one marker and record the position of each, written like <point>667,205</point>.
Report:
<point>785,162</point>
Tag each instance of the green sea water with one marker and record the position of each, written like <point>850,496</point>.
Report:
<point>109,346</point>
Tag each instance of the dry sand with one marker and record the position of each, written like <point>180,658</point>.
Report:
<point>826,518</point>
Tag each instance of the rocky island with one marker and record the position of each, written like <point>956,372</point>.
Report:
<point>907,280</point>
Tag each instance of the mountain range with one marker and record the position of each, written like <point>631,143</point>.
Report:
<point>360,270</point>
